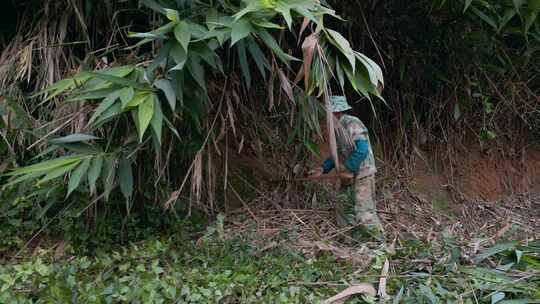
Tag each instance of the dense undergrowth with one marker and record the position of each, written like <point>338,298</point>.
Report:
<point>172,119</point>
<point>191,265</point>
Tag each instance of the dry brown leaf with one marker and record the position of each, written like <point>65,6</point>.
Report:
<point>382,281</point>
<point>308,48</point>
<point>60,251</point>
<point>362,288</point>
<point>285,85</point>
<point>305,23</point>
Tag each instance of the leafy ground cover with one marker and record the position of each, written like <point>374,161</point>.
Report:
<point>216,266</point>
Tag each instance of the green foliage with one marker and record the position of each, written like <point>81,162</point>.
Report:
<point>135,106</point>
<point>215,268</point>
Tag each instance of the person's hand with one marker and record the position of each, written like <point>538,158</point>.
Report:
<point>315,173</point>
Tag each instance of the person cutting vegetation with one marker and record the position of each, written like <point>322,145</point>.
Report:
<point>354,151</point>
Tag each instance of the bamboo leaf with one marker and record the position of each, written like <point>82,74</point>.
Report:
<point>95,94</point>
<point>196,70</point>
<point>103,106</point>
<point>343,45</point>
<point>78,175</point>
<point>72,138</point>
<point>240,30</point>
<point>157,119</point>
<point>267,24</point>
<point>126,95</point>
<point>136,101</point>
<point>121,81</point>
<point>258,56</point>
<point>467,4</point>
<point>273,45</point>
<point>498,248</point>
<point>94,172</point>
<point>182,34</point>
<point>484,17</point>
<point>46,165</point>
<point>166,86</point>
<point>253,6</point>
<point>114,110</point>
<point>285,10</point>
<point>244,66</point>
<point>179,55</point>
<point>109,176</point>
<point>57,172</point>
<point>172,15</point>
<point>125,177</point>
<point>145,113</point>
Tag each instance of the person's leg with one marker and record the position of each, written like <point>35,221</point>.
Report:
<point>345,210</point>
<point>365,208</point>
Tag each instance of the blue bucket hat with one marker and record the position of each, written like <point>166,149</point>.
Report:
<point>339,104</point>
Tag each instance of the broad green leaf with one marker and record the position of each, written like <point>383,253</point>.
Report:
<point>126,95</point>
<point>258,56</point>
<point>498,248</point>
<point>343,45</point>
<point>253,6</point>
<point>178,85</point>
<point>467,4</point>
<point>182,34</point>
<point>57,172</point>
<point>208,55</point>
<point>46,165</point>
<point>373,67</point>
<point>95,94</point>
<point>196,70</point>
<point>172,15</point>
<point>121,81</point>
<point>162,57</point>
<point>145,113</point>
<point>508,15</point>
<point>484,17</point>
<point>94,172</point>
<point>518,4</point>
<point>136,101</point>
<point>267,24</point>
<point>285,10</point>
<point>157,120</point>
<point>72,138</point>
<point>78,175</point>
<point>497,297</point>
<point>240,30</point>
<point>273,45</point>
<point>531,18</point>
<point>165,86</point>
<point>428,293</point>
<point>244,63</point>
<point>212,19</point>
<point>103,106</point>
<point>125,177</point>
<point>109,176</point>
<point>24,177</point>
<point>111,112</point>
<point>121,71</point>
<point>179,55</point>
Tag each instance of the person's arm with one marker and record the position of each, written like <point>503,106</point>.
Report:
<point>328,165</point>
<point>357,156</point>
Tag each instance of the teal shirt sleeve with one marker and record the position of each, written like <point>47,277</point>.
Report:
<point>328,165</point>
<point>357,156</point>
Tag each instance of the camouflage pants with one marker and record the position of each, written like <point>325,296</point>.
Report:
<point>359,204</point>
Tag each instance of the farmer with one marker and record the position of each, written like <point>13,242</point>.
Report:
<point>356,155</point>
